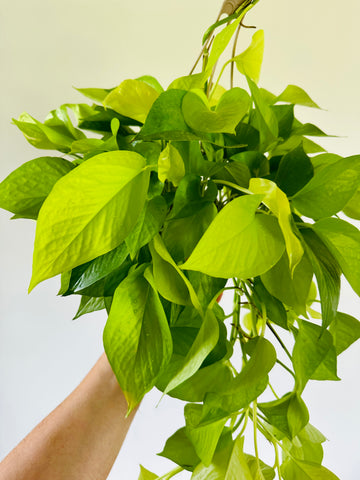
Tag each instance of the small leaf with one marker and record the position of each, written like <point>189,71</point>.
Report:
<point>345,330</point>
<point>294,172</point>
<point>314,355</point>
<point>249,62</point>
<point>343,241</point>
<point>137,337</point>
<point>180,450</point>
<point>26,188</point>
<point>89,212</point>
<point>170,165</point>
<point>275,310</point>
<point>89,305</point>
<point>296,96</point>
<point>96,94</point>
<point>294,469</point>
<point>238,243</point>
<point>232,107</point>
<point>352,208</point>
<point>330,189</point>
<point>132,98</point>
<point>276,200</point>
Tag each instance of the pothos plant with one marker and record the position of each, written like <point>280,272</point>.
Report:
<point>159,201</point>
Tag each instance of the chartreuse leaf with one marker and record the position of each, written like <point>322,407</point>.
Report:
<point>251,381</point>
<point>296,96</point>
<point>249,62</point>
<point>170,281</point>
<point>137,337</point>
<point>314,355</point>
<point>238,468</point>
<point>327,272</point>
<point>288,414</point>
<point>295,171</point>
<point>266,472</point>
<point>205,436</point>
<point>26,188</point>
<point>148,225</point>
<point>345,330</point>
<point>150,80</point>
<point>352,208</point>
<point>204,343</point>
<point>294,469</point>
<point>343,241</point>
<point>165,120</point>
<point>275,310</point>
<point>171,165</point>
<point>293,290</point>
<point>232,107</point>
<point>276,200</point>
<point>89,212</point>
<point>96,94</point>
<point>180,450</point>
<point>146,474</point>
<point>132,98</point>
<point>89,305</point>
<point>330,189</point>
<point>238,243</point>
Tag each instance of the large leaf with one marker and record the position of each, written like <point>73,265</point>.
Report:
<point>314,355</point>
<point>327,272</point>
<point>345,330</point>
<point>293,290</point>
<point>238,243</point>
<point>297,96</point>
<point>132,98</point>
<point>251,381</point>
<point>330,189</point>
<point>165,119</point>
<point>295,171</point>
<point>232,107</point>
<point>148,225</point>
<point>26,188</point>
<point>343,241</point>
<point>276,200</point>
<point>89,212</point>
<point>204,343</point>
<point>294,469</point>
<point>137,337</point>
<point>249,62</point>
<point>171,165</point>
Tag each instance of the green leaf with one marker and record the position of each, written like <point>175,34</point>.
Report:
<point>89,212</point>
<point>238,468</point>
<point>249,62</point>
<point>352,208</point>
<point>275,310</point>
<point>148,225</point>
<point>330,189</point>
<point>180,450</point>
<point>257,163</point>
<point>345,330</point>
<point>96,94</point>
<point>233,248</point>
<point>327,272</point>
<point>296,96</point>
<point>285,117</point>
<point>165,120</point>
<point>294,469</point>
<point>293,290</point>
<point>89,305</point>
<point>204,343</point>
<point>288,414</point>
<point>276,200</point>
<point>251,381</point>
<point>137,337</point>
<point>267,472</point>
<point>204,437</point>
<point>152,82</point>
<point>343,241</point>
<point>132,98</point>
<point>171,165</point>
<point>294,172</point>
<point>232,107</point>
<point>314,355</point>
<point>170,281</point>
<point>26,188</point>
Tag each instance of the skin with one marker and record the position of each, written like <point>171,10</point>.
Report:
<point>80,439</point>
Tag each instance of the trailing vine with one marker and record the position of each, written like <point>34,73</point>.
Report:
<point>161,200</point>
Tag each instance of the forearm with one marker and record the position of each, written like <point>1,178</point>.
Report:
<point>80,439</point>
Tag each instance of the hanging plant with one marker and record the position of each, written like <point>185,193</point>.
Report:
<point>159,201</point>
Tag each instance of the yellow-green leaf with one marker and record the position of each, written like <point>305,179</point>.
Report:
<point>171,165</point>
<point>249,62</point>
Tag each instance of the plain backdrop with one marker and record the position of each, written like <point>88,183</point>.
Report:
<point>47,47</point>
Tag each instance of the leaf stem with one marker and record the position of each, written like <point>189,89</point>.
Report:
<point>255,420</point>
<point>279,340</point>
<point>171,474</point>
<point>285,367</point>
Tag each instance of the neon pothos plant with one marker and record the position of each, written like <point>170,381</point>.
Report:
<point>176,196</point>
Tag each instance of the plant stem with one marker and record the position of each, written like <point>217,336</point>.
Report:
<point>255,420</point>
<point>233,55</point>
<point>273,391</point>
<point>171,474</point>
<point>285,367</point>
<point>277,460</point>
<point>236,315</point>
<point>279,340</point>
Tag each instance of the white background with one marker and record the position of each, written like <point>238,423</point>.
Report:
<point>46,48</point>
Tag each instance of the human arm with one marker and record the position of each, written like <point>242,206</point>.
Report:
<point>80,439</point>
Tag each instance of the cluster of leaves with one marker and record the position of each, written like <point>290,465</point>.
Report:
<point>173,197</point>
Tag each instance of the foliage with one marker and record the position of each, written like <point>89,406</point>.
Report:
<point>162,199</point>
